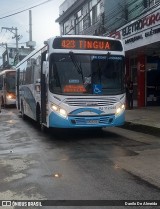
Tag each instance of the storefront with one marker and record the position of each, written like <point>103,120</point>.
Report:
<point>141,39</point>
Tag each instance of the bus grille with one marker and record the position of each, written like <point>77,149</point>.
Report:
<point>85,102</point>
<point>93,121</point>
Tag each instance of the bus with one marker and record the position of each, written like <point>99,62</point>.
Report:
<point>8,87</point>
<point>73,81</point>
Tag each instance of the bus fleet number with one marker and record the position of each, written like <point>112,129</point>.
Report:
<point>68,44</point>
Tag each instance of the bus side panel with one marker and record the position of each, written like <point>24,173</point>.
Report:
<point>17,89</point>
<point>28,101</point>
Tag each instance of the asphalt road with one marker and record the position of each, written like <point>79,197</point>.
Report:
<point>67,165</point>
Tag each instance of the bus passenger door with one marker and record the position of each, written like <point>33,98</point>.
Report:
<point>17,89</point>
<point>43,98</point>
<point>44,89</point>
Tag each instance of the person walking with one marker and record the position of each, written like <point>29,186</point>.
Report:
<point>129,93</point>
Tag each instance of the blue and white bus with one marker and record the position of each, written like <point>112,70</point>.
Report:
<point>7,87</point>
<point>73,82</point>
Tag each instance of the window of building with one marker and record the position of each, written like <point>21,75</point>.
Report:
<point>66,27</point>
<point>90,16</point>
<point>153,2</point>
<point>98,9</point>
<point>86,21</point>
<point>94,14</point>
<point>79,14</point>
<point>61,28</point>
<point>79,22</point>
<point>150,3</point>
<point>94,2</point>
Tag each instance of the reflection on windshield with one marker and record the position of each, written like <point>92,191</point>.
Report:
<point>86,74</point>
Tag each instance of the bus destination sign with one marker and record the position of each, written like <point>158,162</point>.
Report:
<point>87,44</point>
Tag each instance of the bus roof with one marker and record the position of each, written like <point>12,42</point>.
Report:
<point>7,70</point>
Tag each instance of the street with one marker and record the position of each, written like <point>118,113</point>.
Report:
<point>73,164</point>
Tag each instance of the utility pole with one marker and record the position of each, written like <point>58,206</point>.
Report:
<point>16,36</point>
<point>30,25</point>
<point>31,44</point>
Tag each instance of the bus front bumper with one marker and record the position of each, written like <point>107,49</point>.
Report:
<point>86,121</point>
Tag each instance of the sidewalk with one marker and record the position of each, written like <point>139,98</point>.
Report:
<point>144,126</point>
<point>145,119</point>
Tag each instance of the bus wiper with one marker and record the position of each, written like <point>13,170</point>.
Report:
<point>107,58</point>
<point>76,64</point>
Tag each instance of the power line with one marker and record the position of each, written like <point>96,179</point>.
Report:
<point>26,9</point>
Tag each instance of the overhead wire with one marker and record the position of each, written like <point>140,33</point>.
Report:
<point>26,9</point>
<point>18,12</point>
<point>20,8</point>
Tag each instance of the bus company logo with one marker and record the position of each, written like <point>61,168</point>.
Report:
<point>6,203</point>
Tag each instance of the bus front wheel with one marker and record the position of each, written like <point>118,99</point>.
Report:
<point>39,119</point>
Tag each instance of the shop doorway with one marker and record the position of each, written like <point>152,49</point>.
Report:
<point>153,87</point>
<point>134,79</point>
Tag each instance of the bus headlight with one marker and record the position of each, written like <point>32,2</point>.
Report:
<point>9,96</point>
<point>54,107</point>
<point>120,109</point>
<point>59,110</point>
<point>63,112</point>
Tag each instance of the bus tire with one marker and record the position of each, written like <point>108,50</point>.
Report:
<point>39,119</point>
<point>43,128</point>
<point>38,115</point>
<point>2,103</point>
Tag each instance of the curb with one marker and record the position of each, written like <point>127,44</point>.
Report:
<point>142,128</point>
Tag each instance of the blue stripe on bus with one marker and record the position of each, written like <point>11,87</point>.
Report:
<point>77,111</point>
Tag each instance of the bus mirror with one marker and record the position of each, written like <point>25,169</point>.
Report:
<point>45,67</point>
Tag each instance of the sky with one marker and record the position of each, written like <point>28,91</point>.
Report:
<point>43,21</point>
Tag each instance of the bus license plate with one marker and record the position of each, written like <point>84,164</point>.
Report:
<point>92,121</point>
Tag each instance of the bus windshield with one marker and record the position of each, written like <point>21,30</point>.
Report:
<point>79,74</point>
<point>10,82</point>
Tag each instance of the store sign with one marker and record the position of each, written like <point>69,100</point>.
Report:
<point>143,23</point>
<point>141,32</point>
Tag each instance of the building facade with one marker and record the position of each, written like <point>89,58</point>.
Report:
<point>137,23</point>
